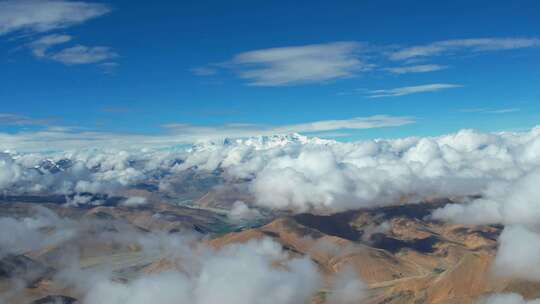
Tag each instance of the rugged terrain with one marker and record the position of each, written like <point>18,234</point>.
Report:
<point>399,252</point>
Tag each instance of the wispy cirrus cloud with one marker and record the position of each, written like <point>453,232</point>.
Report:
<point>422,68</point>
<point>45,15</point>
<point>401,91</point>
<point>81,54</point>
<point>78,54</point>
<point>40,46</point>
<point>300,64</point>
<point>317,63</point>
<point>39,16</point>
<point>11,119</point>
<point>491,111</point>
<point>472,45</point>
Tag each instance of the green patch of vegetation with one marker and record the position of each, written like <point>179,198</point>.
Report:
<point>438,270</point>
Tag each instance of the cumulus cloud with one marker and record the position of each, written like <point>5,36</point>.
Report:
<point>509,202</point>
<point>519,249</point>
<point>135,201</point>
<point>347,288</point>
<point>299,173</point>
<point>433,87</point>
<point>302,173</point>
<point>240,211</point>
<point>506,298</point>
<point>238,273</point>
<point>300,64</point>
<point>46,15</point>
<point>510,199</point>
<point>259,271</point>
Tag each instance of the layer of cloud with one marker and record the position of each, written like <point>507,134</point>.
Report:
<point>301,173</point>
<point>46,15</point>
<point>59,138</point>
<point>432,87</point>
<point>300,64</point>
<point>245,130</point>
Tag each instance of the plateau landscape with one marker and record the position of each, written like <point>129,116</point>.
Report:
<point>269,152</point>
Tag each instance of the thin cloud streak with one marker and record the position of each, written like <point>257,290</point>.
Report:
<point>40,46</point>
<point>491,111</point>
<point>19,120</point>
<point>473,45</point>
<point>423,68</point>
<point>45,15</point>
<point>81,54</point>
<point>433,87</point>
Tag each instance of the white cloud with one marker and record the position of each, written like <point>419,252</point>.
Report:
<point>244,130</point>
<point>347,288</point>
<point>46,15</point>
<point>506,298</point>
<point>239,273</point>
<point>40,46</point>
<point>504,111</point>
<point>491,111</point>
<point>19,120</point>
<point>473,45</point>
<point>317,63</point>
<point>433,87</point>
<point>81,54</point>
<point>135,201</point>
<point>18,236</point>
<point>57,14</point>
<point>240,212</point>
<point>300,64</point>
<point>58,138</point>
<point>518,252</point>
<point>301,173</point>
<point>423,68</point>
<point>512,201</point>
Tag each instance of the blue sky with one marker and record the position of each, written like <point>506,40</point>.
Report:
<point>341,69</point>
